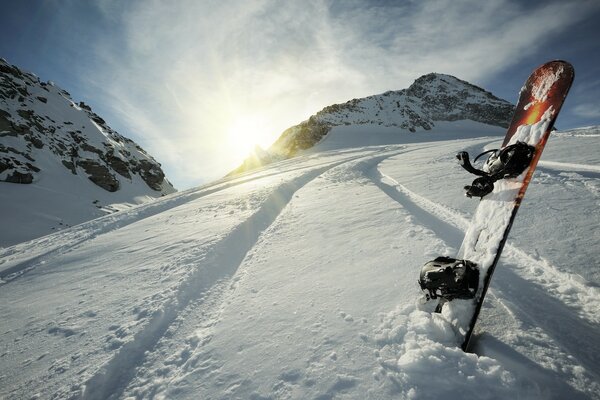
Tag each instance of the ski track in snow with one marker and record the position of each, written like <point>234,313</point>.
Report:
<point>570,167</point>
<point>190,358</point>
<point>577,293</point>
<point>589,178</point>
<point>532,284</point>
<point>18,260</point>
<point>154,323</point>
<point>218,270</point>
<point>529,352</point>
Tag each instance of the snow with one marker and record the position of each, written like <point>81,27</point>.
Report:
<point>375,135</point>
<point>58,198</point>
<point>299,281</point>
<point>531,134</point>
<point>544,83</point>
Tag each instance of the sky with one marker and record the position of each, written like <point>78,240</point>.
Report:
<point>199,83</point>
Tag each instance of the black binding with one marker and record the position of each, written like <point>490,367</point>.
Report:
<point>508,162</point>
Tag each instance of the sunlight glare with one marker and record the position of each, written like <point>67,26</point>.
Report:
<point>245,133</point>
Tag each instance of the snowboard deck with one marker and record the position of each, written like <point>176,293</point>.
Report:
<point>540,101</point>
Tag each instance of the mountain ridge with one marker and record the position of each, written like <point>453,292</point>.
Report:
<point>29,113</point>
<point>61,163</point>
<point>431,98</point>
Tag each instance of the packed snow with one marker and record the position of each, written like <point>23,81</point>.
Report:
<point>299,281</point>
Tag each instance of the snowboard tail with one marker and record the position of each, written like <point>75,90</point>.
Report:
<point>540,101</point>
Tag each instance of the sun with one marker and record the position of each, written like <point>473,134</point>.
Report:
<point>245,133</point>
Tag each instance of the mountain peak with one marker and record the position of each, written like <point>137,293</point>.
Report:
<point>39,119</point>
<point>431,98</point>
<point>435,83</point>
<point>62,149</point>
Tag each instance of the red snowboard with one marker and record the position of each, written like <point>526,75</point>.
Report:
<point>540,101</point>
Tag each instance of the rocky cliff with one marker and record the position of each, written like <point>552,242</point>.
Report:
<point>61,163</point>
<point>431,98</point>
<point>40,120</point>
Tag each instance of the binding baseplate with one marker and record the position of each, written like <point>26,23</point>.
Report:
<point>449,278</point>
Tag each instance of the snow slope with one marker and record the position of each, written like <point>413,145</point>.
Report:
<point>299,281</point>
<point>60,163</point>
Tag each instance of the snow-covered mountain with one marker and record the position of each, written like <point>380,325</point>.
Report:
<point>60,163</point>
<point>431,99</point>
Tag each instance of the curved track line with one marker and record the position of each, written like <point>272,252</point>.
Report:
<point>531,304</point>
<point>560,166</point>
<point>532,300</point>
<point>446,224</point>
<point>220,263</point>
<point>19,258</point>
<point>579,295</point>
<point>210,315</point>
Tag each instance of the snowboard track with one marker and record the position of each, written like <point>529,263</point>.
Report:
<point>439,218</point>
<point>520,276</point>
<point>90,230</point>
<point>219,265</point>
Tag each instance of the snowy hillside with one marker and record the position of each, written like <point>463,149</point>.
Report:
<point>298,281</point>
<point>60,163</point>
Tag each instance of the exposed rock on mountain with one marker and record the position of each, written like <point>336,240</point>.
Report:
<point>39,120</point>
<point>431,98</point>
<point>60,162</point>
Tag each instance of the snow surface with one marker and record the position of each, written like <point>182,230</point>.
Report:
<point>58,198</point>
<point>299,281</point>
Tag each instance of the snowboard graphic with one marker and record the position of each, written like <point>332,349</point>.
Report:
<point>461,283</point>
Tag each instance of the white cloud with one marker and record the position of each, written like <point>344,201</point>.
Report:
<point>182,72</point>
<point>588,110</point>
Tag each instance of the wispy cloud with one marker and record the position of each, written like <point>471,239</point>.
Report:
<point>587,110</point>
<point>183,72</point>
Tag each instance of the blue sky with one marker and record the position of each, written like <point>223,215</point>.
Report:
<point>197,83</point>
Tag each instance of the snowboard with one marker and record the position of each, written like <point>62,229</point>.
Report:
<point>540,101</point>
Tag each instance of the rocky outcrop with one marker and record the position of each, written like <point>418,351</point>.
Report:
<point>302,136</point>
<point>446,98</point>
<point>38,119</point>
<point>151,173</point>
<point>99,174</point>
<point>431,98</point>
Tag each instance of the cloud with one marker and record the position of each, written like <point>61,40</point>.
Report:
<point>180,73</point>
<point>471,39</point>
<point>587,110</point>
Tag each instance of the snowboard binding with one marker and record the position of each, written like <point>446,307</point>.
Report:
<point>449,278</point>
<point>508,162</point>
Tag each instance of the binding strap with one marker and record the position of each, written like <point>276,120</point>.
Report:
<point>507,162</point>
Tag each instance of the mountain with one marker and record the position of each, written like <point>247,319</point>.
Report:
<point>431,99</point>
<point>60,163</point>
<point>299,281</point>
